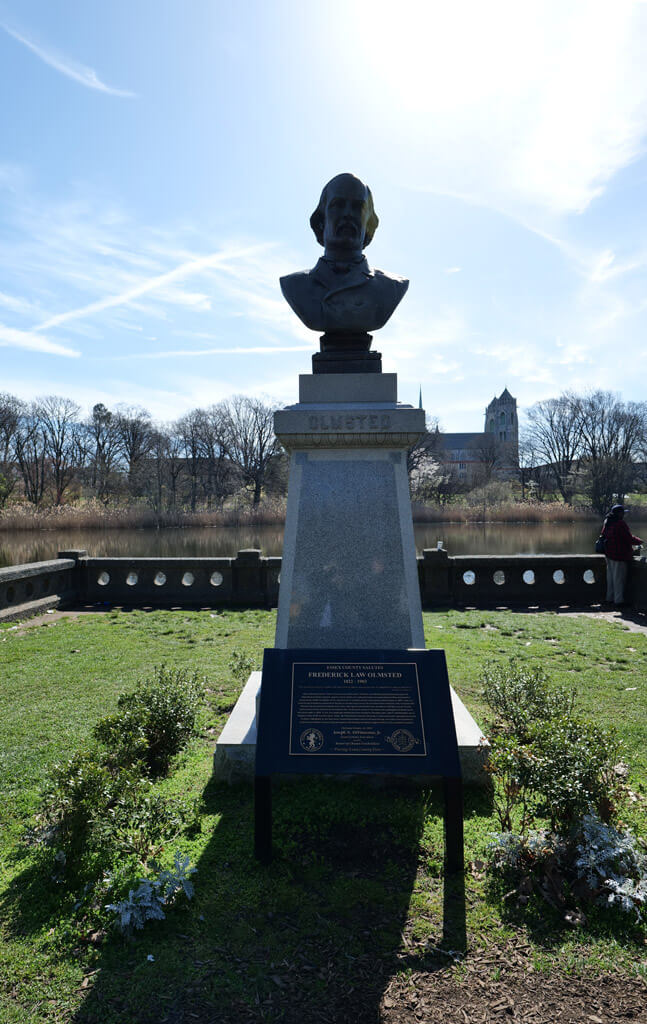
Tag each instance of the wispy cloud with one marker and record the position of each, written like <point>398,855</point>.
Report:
<point>151,284</point>
<point>15,304</point>
<point>11,337</point>
<point>71,69</point>
<point>234,350</point>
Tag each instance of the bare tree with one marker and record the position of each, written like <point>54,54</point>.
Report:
<point>59,418</point>
<point>249,439</point>
<point>490,456</point>
<point>221,477</point>
<point>103,446</point>
<point>189,430</point>
<point>10,410</point>
<point>554,430</point>
<point>175,466</point>
<point>135,431</point>
<point>31,453</point>
<point>614,434</point>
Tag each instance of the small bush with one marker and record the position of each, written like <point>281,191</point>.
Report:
<point>153,723</point>
<point>94,812</point>
<point>100,805</point>
<point>548,761</point>
<point>146,903</point>
<point>521,696</point>
<point>596,863</point>
<point>82,795</point>
<point>573,769</point>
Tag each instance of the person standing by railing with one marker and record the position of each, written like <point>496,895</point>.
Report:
<point>619,542</point>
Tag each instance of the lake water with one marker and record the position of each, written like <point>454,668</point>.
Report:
<point>20,547</point>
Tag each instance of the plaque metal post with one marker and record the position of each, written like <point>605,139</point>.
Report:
<point>454,853</point>
<point>263,818</point>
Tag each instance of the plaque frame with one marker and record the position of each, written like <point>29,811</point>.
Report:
<point>300,684</point>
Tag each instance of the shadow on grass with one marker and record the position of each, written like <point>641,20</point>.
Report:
<point>315,936</point>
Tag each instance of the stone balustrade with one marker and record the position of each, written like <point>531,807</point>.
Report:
<point>30,589</point>
<point>250,580</point>
<point>244,581</point>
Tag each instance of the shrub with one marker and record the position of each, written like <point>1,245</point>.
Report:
<point>547,760</point>
<point>240,666</point>
<point>94,812</point>
<point>521,696</point>
<point>79,798</point>
<point>153,722</point>
<point>596,863</point>
<point>146,903</point>
<point>573,769</point>
<point>612,866</point>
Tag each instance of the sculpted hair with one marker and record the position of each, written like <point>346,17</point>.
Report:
<point>317,219</point>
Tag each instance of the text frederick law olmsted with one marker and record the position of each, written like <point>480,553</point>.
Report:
<point>355,708</point>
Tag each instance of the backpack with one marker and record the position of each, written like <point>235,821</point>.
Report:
<point>600,544</point>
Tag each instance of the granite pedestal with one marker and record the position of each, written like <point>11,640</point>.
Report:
<point>349,577</point>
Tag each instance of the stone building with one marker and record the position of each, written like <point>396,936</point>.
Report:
<point>478,456</point>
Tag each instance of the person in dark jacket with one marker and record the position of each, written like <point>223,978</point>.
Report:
<point>618,548</point>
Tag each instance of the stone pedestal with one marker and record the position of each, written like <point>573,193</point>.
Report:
<point>349,577</point>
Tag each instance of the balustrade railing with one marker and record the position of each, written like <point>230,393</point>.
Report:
<point>249,579</point>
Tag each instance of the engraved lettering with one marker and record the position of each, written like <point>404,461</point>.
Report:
<point>372,422</point>
<point>361,421</point>
<point>385,421</point>
<point>335,422</point>
<point>350,423</point>
<point>313,422</point>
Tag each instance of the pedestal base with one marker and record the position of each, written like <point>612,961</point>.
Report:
<point>236,747</point>
<point>347,362</point>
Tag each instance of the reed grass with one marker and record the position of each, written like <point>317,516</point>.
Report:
<point>93,515</point>
<point>503,512</point>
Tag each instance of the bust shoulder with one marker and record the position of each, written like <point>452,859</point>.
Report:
<point>302,291</point>
<point>293,284</point>
<point>391,283</point>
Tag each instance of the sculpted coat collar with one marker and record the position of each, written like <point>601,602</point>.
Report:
<point>358,274</point>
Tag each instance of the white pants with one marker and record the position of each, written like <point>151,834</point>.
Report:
<point>616,579</point>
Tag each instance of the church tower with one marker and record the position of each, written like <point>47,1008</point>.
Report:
<point>501,420</point>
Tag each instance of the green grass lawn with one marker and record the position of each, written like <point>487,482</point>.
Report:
<point>355,893</point>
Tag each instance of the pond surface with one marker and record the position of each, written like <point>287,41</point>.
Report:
<point>20,547</point>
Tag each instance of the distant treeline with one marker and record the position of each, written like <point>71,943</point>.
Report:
<point>50,454</point>
<point>586,449</point>
<point>579,449</point>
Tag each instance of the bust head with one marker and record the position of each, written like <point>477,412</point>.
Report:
<point>345,219</point>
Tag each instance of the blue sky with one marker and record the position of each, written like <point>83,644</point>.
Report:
<point>159,162</point>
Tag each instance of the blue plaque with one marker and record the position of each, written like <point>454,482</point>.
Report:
<point>356,712</point>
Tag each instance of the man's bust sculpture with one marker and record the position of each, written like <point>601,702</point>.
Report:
<point>342,296</point>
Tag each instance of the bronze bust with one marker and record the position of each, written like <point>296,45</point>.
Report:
<point>342,296</point>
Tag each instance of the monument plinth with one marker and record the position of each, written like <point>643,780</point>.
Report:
<point>349,575</point>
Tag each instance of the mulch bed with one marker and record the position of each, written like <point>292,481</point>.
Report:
<point>492,986</point>
<point>520,995</point>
